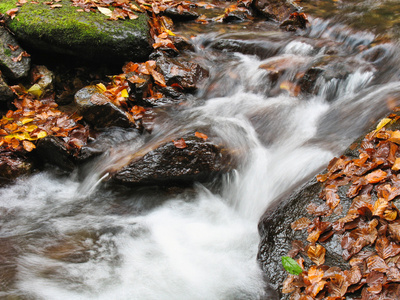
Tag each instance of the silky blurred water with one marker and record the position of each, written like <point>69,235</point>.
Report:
<point>77,238</point>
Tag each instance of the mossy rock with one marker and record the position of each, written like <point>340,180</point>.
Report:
<point>88,35</point>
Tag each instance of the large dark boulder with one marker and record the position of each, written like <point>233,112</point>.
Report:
<point>88,35</point>
<point>275,226</point>
<point>14,62</point>
<point>199,161</point>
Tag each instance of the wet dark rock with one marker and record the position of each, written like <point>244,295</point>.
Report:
<point>43,77</point>
<point>13,63</point>
<point>199,161</point>
<point>176,15</point>
<point>275,9</point>
<point>139,89</point>
<point>13,165</point>
<point>277,234</point>
<point>308,81</point>
<point>235,16</point>
<point>98,111</point>
<point>187,75</point>
<point>261,48</point>
<point>6,93</point>
<point>55,151</point>
<point>181,43</point>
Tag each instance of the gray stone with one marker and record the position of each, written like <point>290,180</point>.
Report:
<point>13,63</point>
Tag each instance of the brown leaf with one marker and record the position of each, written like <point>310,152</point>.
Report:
<point>376,263</point>
<point>353,275</point>
<point>12,12</point>
<point>180,144</point>
<point>332,198</point>
<point>394,230</point>
<point>316,253</point>
<point>300,224</point>
<point>338,285</point>
<point>385,248</point>
<point>315,288</point>
<point>158,78</point>
<point>315,274</point>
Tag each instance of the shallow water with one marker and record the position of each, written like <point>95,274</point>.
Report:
<point>73,238</point>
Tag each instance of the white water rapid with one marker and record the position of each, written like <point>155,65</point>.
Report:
<point>71,238</point>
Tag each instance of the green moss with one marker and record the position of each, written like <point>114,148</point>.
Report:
<point>6,5</point>
<point>7,52</point>
<point>66,28</point>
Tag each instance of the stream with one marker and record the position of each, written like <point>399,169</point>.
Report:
<point>78,238</point>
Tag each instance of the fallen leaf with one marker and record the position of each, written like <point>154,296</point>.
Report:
<point>105,11</point>
<point>316,253</point>
<point>28,146</point>
<point>180,144</point>
<point>202,136</point>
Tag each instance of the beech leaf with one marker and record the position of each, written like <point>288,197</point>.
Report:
<point>291,265</point>
<point>105,11</point>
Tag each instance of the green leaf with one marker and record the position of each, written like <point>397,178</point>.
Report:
<point>291,265</point>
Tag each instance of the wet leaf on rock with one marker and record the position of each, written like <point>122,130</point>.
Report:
<point>180,144</point>
<point>300,224</point>
<point>316,253</point>
<point>291,265</point>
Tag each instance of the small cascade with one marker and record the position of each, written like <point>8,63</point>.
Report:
<point>67,238</point>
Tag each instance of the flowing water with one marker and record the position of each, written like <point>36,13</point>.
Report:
<point>72,238</point>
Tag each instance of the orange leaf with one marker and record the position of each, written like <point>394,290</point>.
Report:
<point>201,135</point>
<point>316,253</point>
<point>376,176</point>
<point>158,78</point>
<point>28,146</point>
<point>180,144</point>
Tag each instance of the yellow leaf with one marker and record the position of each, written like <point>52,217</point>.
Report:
<point>36,90</point>
<point>41,134</point>
<point>169,32</point>
<point>124,93</point>
<point>30,128</point>
<point>101,87</point>
<point>382,123</point>
<point>105,11</point>
<point>26,120</point>
<point>18,136</point>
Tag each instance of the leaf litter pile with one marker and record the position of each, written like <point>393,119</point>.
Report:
<point>369,232</point>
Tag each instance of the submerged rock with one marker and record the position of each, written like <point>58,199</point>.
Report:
<point>87,35</point>
<point>197,160</point>
<point>97,110</point>
<point>14,61</point>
